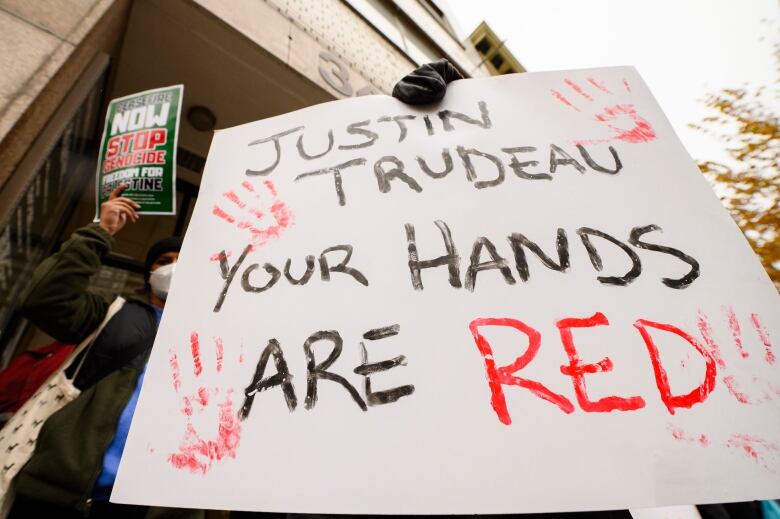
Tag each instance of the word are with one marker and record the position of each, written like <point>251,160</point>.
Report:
<point>316,371</point>
<point>228,273</point>
<point>518,243</point>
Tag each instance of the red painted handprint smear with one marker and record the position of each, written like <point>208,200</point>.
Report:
<point>753,446</point>
<point>621,119</point>
<point>752,353</point>
<point>679,434</point>
<point>203,445</point>
<point>769,354</point>
<point>742,355</point>
<point>255,210</point>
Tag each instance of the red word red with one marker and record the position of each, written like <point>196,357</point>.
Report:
<point>577,370</point>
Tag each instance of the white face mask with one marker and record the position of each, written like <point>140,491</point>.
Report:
<point>160,280</point>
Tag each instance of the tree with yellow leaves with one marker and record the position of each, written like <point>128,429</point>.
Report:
<point>749,186</point>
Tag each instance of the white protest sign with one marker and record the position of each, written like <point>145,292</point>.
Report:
<point>666,512</point>
<point>524,299</point>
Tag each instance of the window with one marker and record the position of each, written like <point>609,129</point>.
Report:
<point>57,170</point>
<point>384,17</point>
<point>497,61</point>
<point>483,46</point>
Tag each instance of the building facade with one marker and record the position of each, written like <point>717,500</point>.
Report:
<point>493,52</point>
<point>61,61</point>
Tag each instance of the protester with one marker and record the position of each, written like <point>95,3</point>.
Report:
<point>77,455</point>
<point>72,471</point>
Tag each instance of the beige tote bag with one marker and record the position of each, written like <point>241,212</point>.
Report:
<point>18,436</point>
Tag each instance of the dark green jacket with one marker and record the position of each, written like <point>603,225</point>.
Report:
<point>70,448</point>
<point>57,300</point>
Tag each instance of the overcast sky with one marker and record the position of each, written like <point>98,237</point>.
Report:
<point>682,48</point>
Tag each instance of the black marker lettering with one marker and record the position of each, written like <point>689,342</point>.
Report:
<point>517,241</point>
<point>381,333</point>
<point>566,160</point>
<point>495,262</point>
<point>445,155</point>
<point>383,177</point>
<point>228,274</point>
<point>365,369</point>
<point>277,148</point>
<point>592,164</point>
<point>273,271</point>
<point>399,119</point>
<point>342,267</point>
<point>282,377</point>
<point>428,124</point>
<point>447,115</point>
<point>355,129</point>
<point>319,371</point>
<point>451,259</point>
<point>336,170</point>
<point>519,167</point>
<point>306,275</point>
<point>595,259</point>
<point>305,155</point>
<point>682,282</point>
<point>471,174</point>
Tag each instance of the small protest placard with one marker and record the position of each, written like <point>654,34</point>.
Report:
<point>138,148</point>
<point>524,299</point>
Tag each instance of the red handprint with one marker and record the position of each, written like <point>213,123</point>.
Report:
<point>753,446</point>
<point>679,434</point>
<point>256,210</point>
<point>205,418</point>
<point>751,390</point>
<point>622,119</point>
<point>759,449</point>
<point>766,388</point>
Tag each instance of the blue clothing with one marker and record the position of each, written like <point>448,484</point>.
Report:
<point>770,509</point>
<point>105,481</point>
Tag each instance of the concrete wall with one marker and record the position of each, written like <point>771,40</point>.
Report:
<point>44,47</point>
<point>297,32</point>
